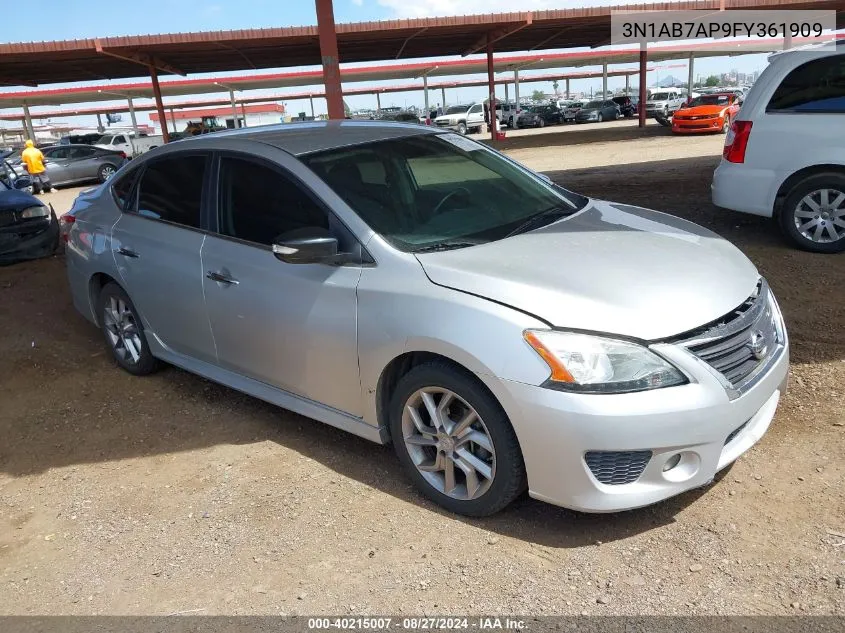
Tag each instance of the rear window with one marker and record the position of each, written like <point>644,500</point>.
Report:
<point>817,86</point>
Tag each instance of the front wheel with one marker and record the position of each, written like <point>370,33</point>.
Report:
<point>813,214</point>
<point>462,128</point>
<point>541,123</point>
<point>454,440</point>
<point>124,332</point>
<point>601,118</point>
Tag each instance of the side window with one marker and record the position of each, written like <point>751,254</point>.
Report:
<point>171,189</point>
<point>81,152</point>
<point>476,109</point>
<point>817,86</point>
<point>57,153</point>
<point>119,139</point>
<point>257,203</point>
<point>122,188</point>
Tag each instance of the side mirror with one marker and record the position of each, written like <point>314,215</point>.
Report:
<point>308,245</point>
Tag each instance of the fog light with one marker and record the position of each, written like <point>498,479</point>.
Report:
<point>672,462</point>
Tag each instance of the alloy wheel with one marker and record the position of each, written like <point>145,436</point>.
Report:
<point>122,330</point>
<point>106,172</point>
<point>820,216</point>
<point>448,443</point>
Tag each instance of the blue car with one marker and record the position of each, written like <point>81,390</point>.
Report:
<point>28,228</point>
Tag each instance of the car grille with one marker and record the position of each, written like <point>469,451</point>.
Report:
<point>616,468</point>
<point>442,123</point>
<point>742,343</point>
<point>698,126</point>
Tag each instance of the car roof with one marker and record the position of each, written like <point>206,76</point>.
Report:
<point>307,137</point>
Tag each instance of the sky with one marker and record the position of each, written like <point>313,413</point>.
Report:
<point>72,19</point>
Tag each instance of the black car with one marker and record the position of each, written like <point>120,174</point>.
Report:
<point>627,105</point>
<point>28,228</point>
<point>540,116</point>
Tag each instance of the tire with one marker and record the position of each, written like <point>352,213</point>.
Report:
<point>105,172</point>
<point>600,118</point>
<point>476,497</point>
<point>541,123</point>
<point>798,210</point>
<point>462,128</point>
<point>663,121</point>
<point>510,122</point>
<point>119,322</point>
<point>726,124</point>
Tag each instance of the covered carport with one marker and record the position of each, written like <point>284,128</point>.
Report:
<point>327,43</point>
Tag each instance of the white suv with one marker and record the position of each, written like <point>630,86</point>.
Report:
<point>784,156</point>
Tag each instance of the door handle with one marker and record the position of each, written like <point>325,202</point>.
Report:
<point>126,252</point>
<point>223,279</point>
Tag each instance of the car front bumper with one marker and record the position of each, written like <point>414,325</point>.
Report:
<point>558,431</point>
<point>697,126</point>
<point>29,240</point>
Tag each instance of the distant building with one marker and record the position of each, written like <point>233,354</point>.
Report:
<point>252,114</point>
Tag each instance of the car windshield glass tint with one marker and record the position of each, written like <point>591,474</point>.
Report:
<point>660,96</point>
<point>710,100</point>
<point>457,110</point>
<point>422,191</point>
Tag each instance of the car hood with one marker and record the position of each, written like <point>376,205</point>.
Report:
<point>704,110</point>
<point>450,117</point>
<point>610,268</point>
<point>15,199</point>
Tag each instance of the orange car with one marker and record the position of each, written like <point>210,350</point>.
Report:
<point>707,113</point>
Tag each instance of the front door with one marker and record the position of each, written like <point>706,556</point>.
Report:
<point>57,164</point>
<point>292,326</point>
<point>156,245</point>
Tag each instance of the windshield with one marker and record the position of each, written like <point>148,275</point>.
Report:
<point>661,96</point>
<point>427,190</point>
<point>594,104</point>
<point>457,110</point>
<point>710,100</point>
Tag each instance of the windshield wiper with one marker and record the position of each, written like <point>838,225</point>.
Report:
<point>445,246</point>
<point>539,219</point>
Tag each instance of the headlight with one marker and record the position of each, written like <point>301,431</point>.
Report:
<point>35,212</point>
<point>593,364</point>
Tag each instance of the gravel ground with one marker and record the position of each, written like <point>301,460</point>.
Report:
<point>167,494</point>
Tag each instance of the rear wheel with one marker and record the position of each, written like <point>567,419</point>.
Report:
<point>455,441</point>
<point>123,331</point>
<point>462,128</point>
<point>813,214</point>
<point>105,172</point>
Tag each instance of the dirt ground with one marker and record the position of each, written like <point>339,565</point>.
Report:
<point>170,494</point>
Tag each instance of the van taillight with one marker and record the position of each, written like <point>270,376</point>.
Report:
<point>737,141</point>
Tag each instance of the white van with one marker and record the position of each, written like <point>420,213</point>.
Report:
<point>784,155</point>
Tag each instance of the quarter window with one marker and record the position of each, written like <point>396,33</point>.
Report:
<point>171,189</point>
<point>817,86</point>
<point>257,203</point>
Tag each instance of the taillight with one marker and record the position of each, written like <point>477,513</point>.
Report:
<point>736,141</point>
<point>64,225</point>
<point>123,155</point>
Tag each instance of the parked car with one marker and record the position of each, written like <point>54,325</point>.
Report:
<point>783,156</point>
<point>571,109</point>
<point>706,113</point>
<point>462,118</point>
<point>71,164</point>
<point>540,116</point>
<point>14,177</point>
<point>627,105</point>
<point>28,227</point>
<point>402,117</point>
<point>407,284</point>
<point>662,105</point>
<point>507,113</point>
<point>132,146</point>
<point>598,111</point>
<point>80,139</point>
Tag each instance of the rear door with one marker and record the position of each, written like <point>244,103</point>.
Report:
<point>82,163</point>
<point>156,245</point>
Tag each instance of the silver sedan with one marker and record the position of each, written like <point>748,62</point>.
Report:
<point>409,285</point>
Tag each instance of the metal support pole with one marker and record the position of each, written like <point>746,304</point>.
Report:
<point>443,98</point>
<point>506,94</point>
<point>378,102</point>
<point>243,112</point>
<point>787,41</point>
<point>331,65</point>
<point>159,105</point>
<point>691,76</point>
<point>491,88</point>
<point>425,100</point>
<point>567,89</point>
<point>516,87</point>
<point>643,79</point>
<point>604,81</point>
<point>235,121</point>
<point>627,84</point>
<point>27,123</point>
<point>132,115</point>
<point>311,100</point>
<point>100,127</point>
<point>173,119</point>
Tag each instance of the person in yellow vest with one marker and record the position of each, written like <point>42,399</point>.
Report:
<point>34,161</point>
